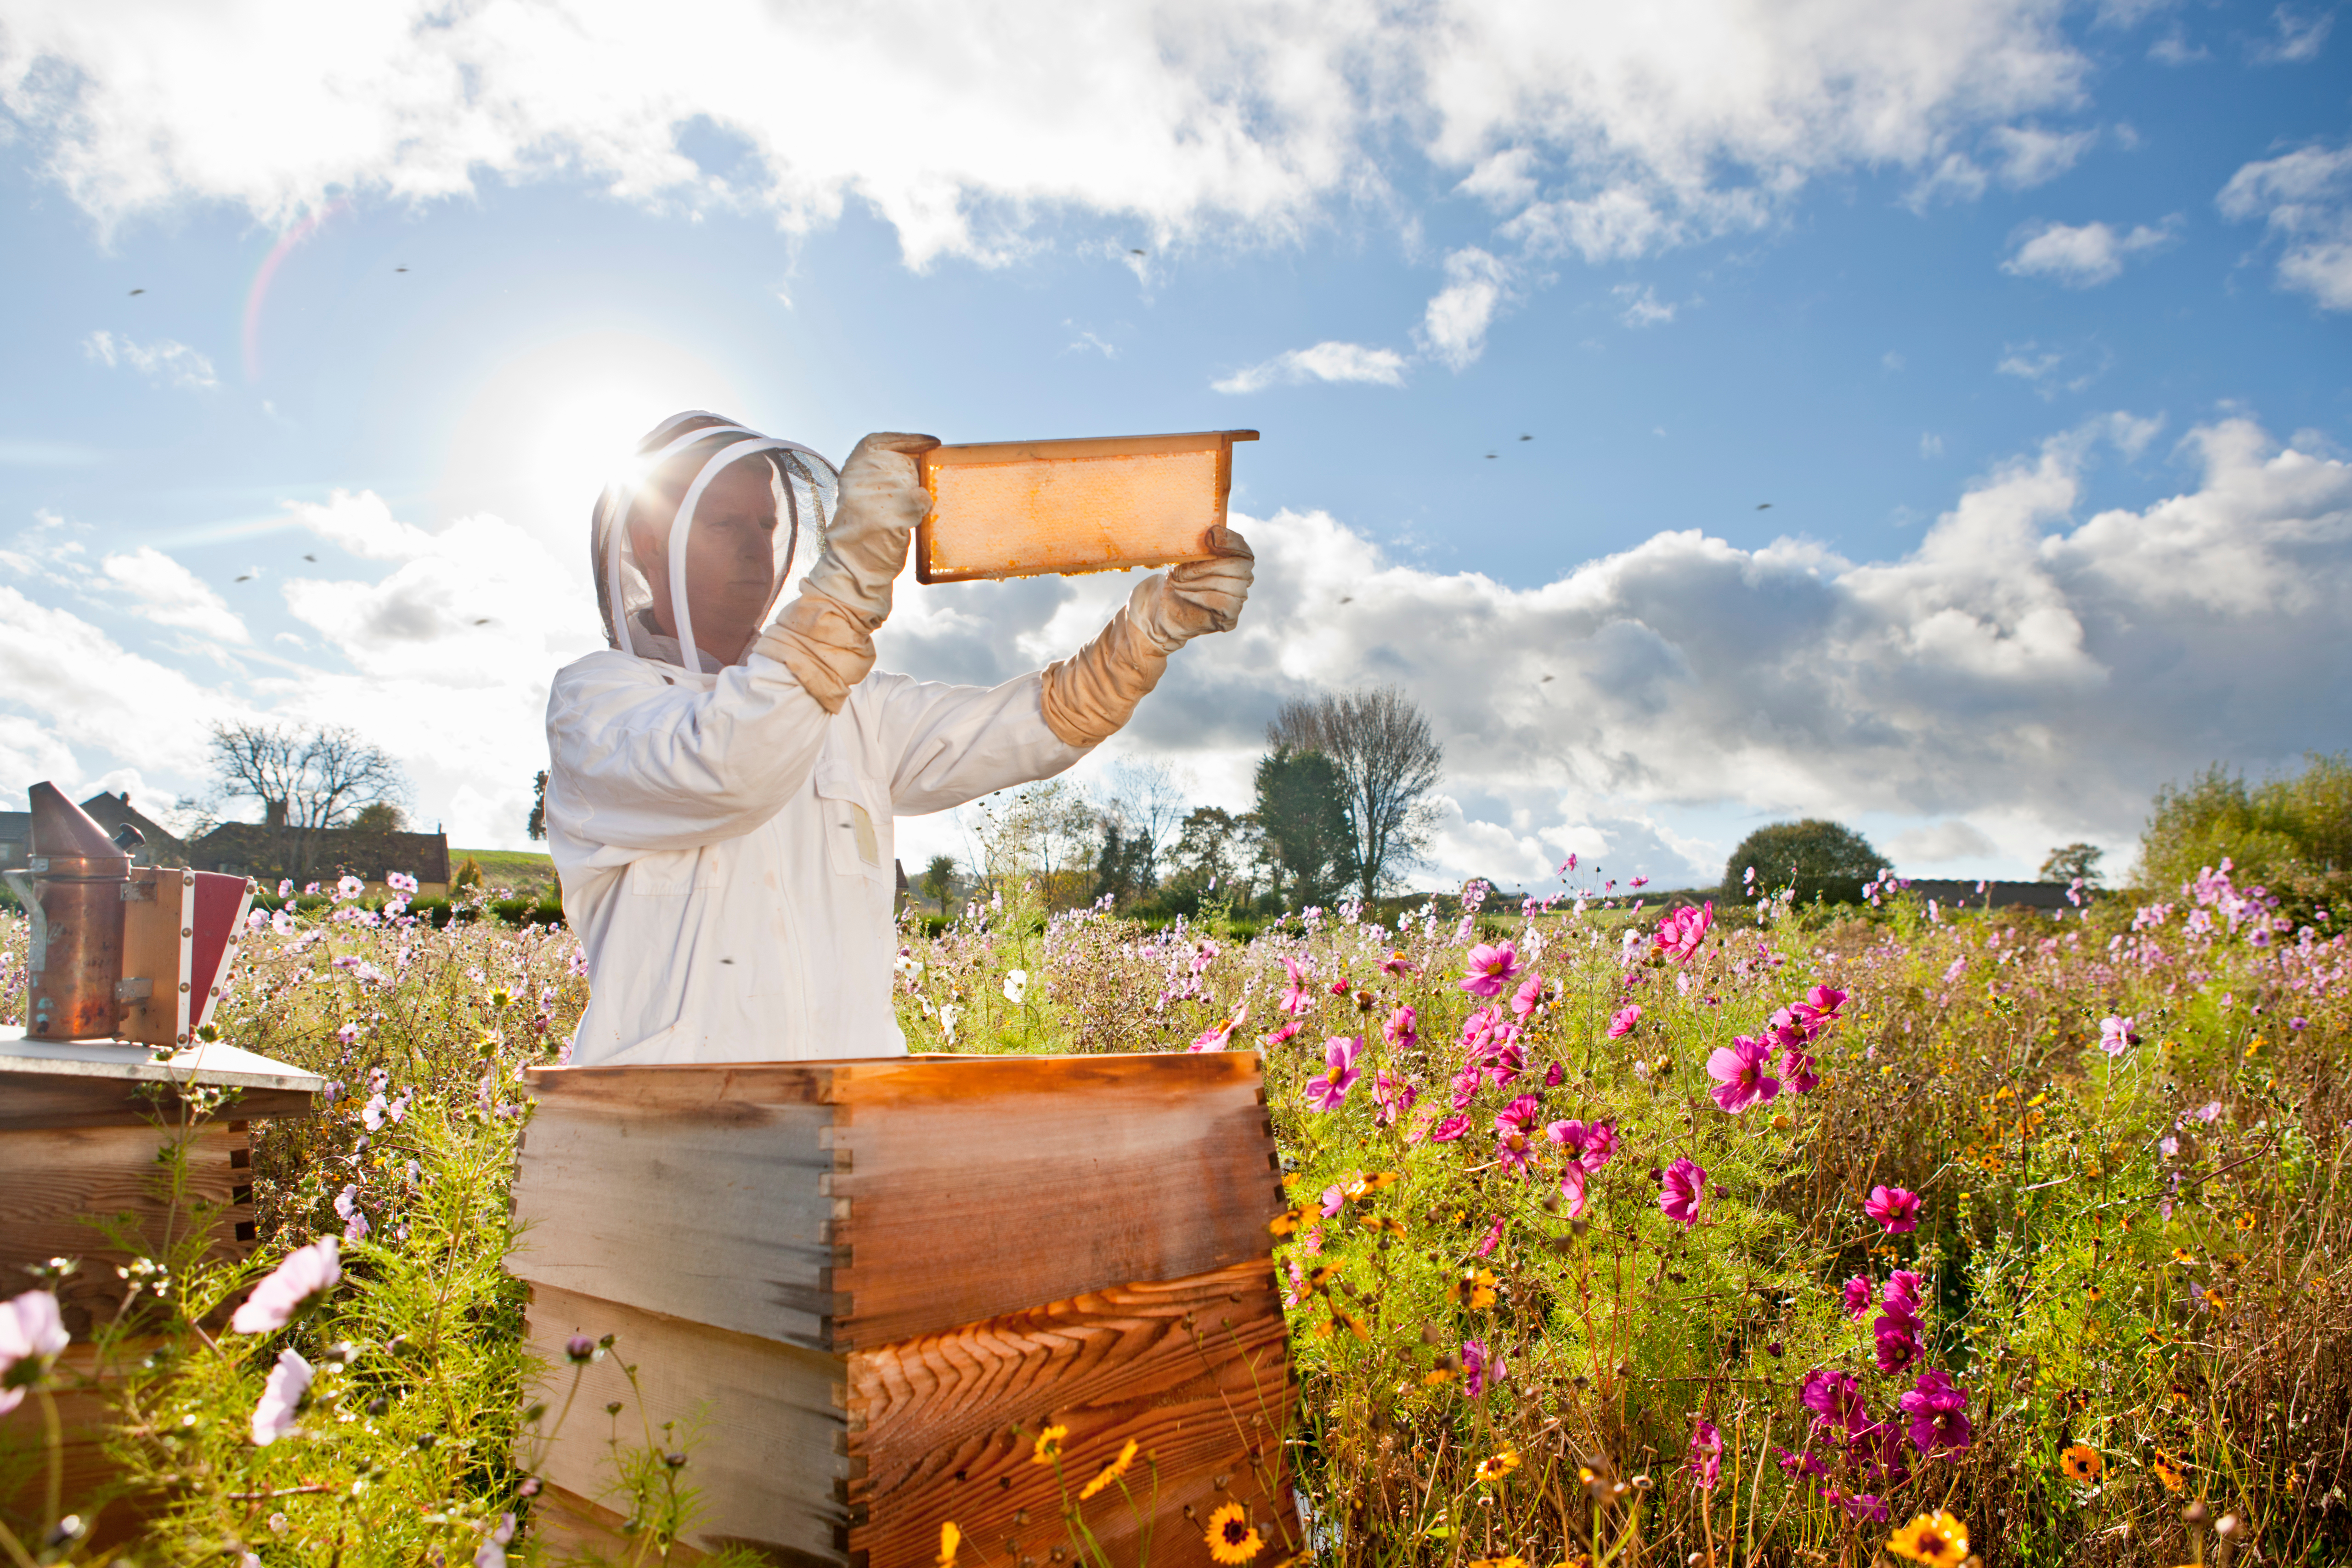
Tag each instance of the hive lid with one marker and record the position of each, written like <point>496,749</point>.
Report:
<point>61,1083</point>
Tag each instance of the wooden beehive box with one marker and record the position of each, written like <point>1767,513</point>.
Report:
<point>1019,509</point>
<point>868,1273</point>
<point>80,1129</point>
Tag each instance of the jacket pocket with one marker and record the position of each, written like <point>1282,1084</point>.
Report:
<point>672,873</point>
<point>853,845</point>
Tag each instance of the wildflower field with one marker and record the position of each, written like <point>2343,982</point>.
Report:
<point>1762,1233</point>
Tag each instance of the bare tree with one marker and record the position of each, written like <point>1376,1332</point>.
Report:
<point>307,780</point>
<point>1388,760</point>
<point>1144,803</point>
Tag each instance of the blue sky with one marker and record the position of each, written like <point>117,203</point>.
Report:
<point>2031,324</point>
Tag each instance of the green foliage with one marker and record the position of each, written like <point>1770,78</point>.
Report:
<point>2069,861</point>
<point>1302,810</point>
<point>2291,833</point>
<point>1817,859</point>
<point>937,881</point>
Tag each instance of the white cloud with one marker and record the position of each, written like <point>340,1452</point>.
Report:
<point>1931,445</point>
<point>2083,256</point>
<point>1454,327</point>
<point>171,596</point>
<point>963,128</point>
<point>2018,662</point>
<point>1939,841</point>
<point>1639,306</point>
<point>2305,199</point>
<point>2300,38</point>
<point>162,362</point>
<point>2031,156</point>
<point>1324,362</point>
<point>2051,371</point>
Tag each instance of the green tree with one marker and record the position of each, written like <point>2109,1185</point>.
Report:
<point>2069,861</point>
<point>1302,810</point>
<point>2291,833</point>
<point>1388,760</point>
<point>379,816</point>
<point>536,825</point>
<point>939,880</point>
<point>1823,859</point>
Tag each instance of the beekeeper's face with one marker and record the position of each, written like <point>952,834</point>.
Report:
<point>731,554</point>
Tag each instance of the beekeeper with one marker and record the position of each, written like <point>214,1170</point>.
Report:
<point>722,784</point>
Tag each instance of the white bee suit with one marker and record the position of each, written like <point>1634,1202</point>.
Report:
<point>726,845</point>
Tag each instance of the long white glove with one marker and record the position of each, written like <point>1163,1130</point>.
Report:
<point>825,636</point>
<point>1089,695</point>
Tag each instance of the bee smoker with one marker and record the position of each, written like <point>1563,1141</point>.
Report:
<point>119,952</point>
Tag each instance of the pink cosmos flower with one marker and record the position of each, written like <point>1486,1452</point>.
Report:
<point>1857,1297</point>
<point>1334,1200</point>
<point>1819,1010</point>
<point>1835,1399</point>
<point>1402,1031</point>
<point>1639,882</point>
<point>1527,998</point>
<point>281,1397</point>
<point>1327,1091</point>
<point>1491,969</point>
<point>1216,1036</point>
<point>1861,1508</point>
<point>1680,931</point>
<point>1514,1127</point>
<point>1682,1186</point>
<point>1895,1208</point>
<point>1493,1237</point>
<point>1575,1189</point>
<point>1743,1074</point>
<point>1799,1466</point>
<point>1465,1086</point>
<point>1289,1031</point>
<point>1705,1454</point>
<point>1622,1022</point>
<point>1480,1371</point>
<point>32,1335</point>
<point>1903,1291</point>
<point>1398,963</point>
<point>1448,1128</point>
<point>1505,1064</point>
<point>1798,1068</point>
<point>2115,1034</point>
<point>1939,1414</point>
<point>306,1274</point>
<point>1301,995</point>
<point>493,1553</point>
<point>1393,1095</point>
<point>1554,1076</point>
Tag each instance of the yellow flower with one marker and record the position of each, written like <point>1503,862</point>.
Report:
<point>2183,1255</point>
<point>2167,1471</point>
<point>1049,1444</point>
<point>1477,1290</point>
<point>2217,1301</point>
<point>1513,1561</point>
<point>1111,1472</point>
<point>1231,1536</point>
<point>1374,1182</point>
<point>1500,1463</point>
<point>2081,1462</point>
<point>949,1539</point>
<point>1931,1538</point>
<point>2094,1293</point>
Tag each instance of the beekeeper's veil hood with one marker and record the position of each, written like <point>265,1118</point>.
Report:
<point>688,580</point>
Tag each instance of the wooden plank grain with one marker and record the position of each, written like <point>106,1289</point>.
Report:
<point>1193,1369</point>
<point>686,1200</point>
<point>766,1457</point>
<point>980,1187</point>
<point>59,1181</point>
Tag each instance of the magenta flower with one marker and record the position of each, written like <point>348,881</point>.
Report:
<point>1895,1338</point>
<point>1896,1208</point>
<point>1334,1200</point>
<point>1289,1031</point>
<point>1393,1095</point>
<point>1819,1010</point>
<point>1327,1091</point>
<point>1402,1031</point>
<point>1682,1186</point>
<point>1448,1128</point>
<point>1743,1074</point>
<point>1705,1454</point>
<point>306,1274</point>
<point>1301,995</point>
<point>32,1334</point>
<point>1861,1508</point>
<point>1515,1126</point>
<point>1504,1063</point>
<point>1857,1297</point>
<point>1798,1465</point>
<point>1835,1399</point>
<point>281,1397</point>
<point>1798,1068</point>
<point>1493,1237</point>
<point>1903,1291</point>
<point>1575,1185</point>
<point>1398,963</point>
<point>1622,1022</point>
<point>1682,931</point>
<point>1554,1076</point>
<point>1480,1371</point>
<point>1588,1144</point>
<point>1465,1086</point>
<point>1939,1414</point>
<point>1528,998</point>
<point>1491,969</point>
<point>1215,1036</point>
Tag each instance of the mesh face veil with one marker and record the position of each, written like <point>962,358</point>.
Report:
<point>693,587</point>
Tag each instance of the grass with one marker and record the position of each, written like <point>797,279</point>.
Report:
<point>2131,1264</point>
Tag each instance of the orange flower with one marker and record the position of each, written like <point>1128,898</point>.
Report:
<point>2082,1463</point>
<point>1049,1446</point>
<point>1231,1536</point>
<point>1111,1472</point>
<point>2167,1471</point>
<point>1500,1463</point>
<point>1931,1538</point>
<point>949,1539</point>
